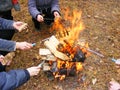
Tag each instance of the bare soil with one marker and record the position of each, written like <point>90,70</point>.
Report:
<point>102,31</point>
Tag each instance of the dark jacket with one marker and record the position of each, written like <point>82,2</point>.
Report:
<point>35,6</point>
<point>13,79</point>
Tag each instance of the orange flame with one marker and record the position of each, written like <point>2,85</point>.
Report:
<point>61,65</point>
<point>68,30</point>
<point>70,27</point>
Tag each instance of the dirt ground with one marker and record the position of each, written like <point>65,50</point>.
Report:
<point>102,32</point>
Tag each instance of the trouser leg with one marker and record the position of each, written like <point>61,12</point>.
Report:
<point>36,23</point>
<point>2,68</point>
<point>6,34</point>
<point>6,15</point>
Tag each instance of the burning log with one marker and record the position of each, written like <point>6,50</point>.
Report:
<point>52,44</point>
<point>62,59</point>
<point>68,72</point>
<point>46,67</point>
<point>69,53</point>
<point>44,51</point>
<point>76,53</point>
<point>54,67</point>
<point>79,55</point>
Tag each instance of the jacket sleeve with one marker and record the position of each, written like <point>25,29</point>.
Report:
<point>6,45</point>
<point>6,24</point>
<point>55,6</point>
<point>13,79</point>
<point>32,8</point>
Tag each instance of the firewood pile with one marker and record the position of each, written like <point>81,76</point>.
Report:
<point>61,59</point>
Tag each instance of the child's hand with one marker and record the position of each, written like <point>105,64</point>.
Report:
<point>20,26</point>
<point>114,85</point>
<point>1,58</point>
<point>33,70</point>
<point>56,14</point>
<point>23,45</point>
<point>40,18</point>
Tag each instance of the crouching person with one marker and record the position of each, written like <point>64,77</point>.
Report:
<point>43,11</point>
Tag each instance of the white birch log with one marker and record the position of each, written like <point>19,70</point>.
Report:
<point>51,44</point>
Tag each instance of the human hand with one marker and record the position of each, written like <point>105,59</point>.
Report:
<point>23,45</point>
<point>33,70</point>
<point>20,25</point>
<point>114,85</point>
<point>1,58</point>
<point>56,14</point>
<point>40,18</point>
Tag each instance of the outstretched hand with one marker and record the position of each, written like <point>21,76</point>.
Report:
<point>23,45</point>
<point>1,58</point>
<point>40,18</point>
<point>33,70</point>
<point>20,25</point>
<point>114,85</point>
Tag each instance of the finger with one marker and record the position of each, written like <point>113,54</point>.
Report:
<point>29,45</point>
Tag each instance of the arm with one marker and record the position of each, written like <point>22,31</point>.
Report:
<point>33,9</point>
<point>55,6</point>
<point>13,79</point>
<point>6,45</point>
<point>6,24</point>
<point>10,24</point>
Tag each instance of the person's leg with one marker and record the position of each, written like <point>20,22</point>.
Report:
<point>6,15</point>
<point>2,68</point>
<point>36,24</point>
<point>6,34</point>
<point>49,18</point>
